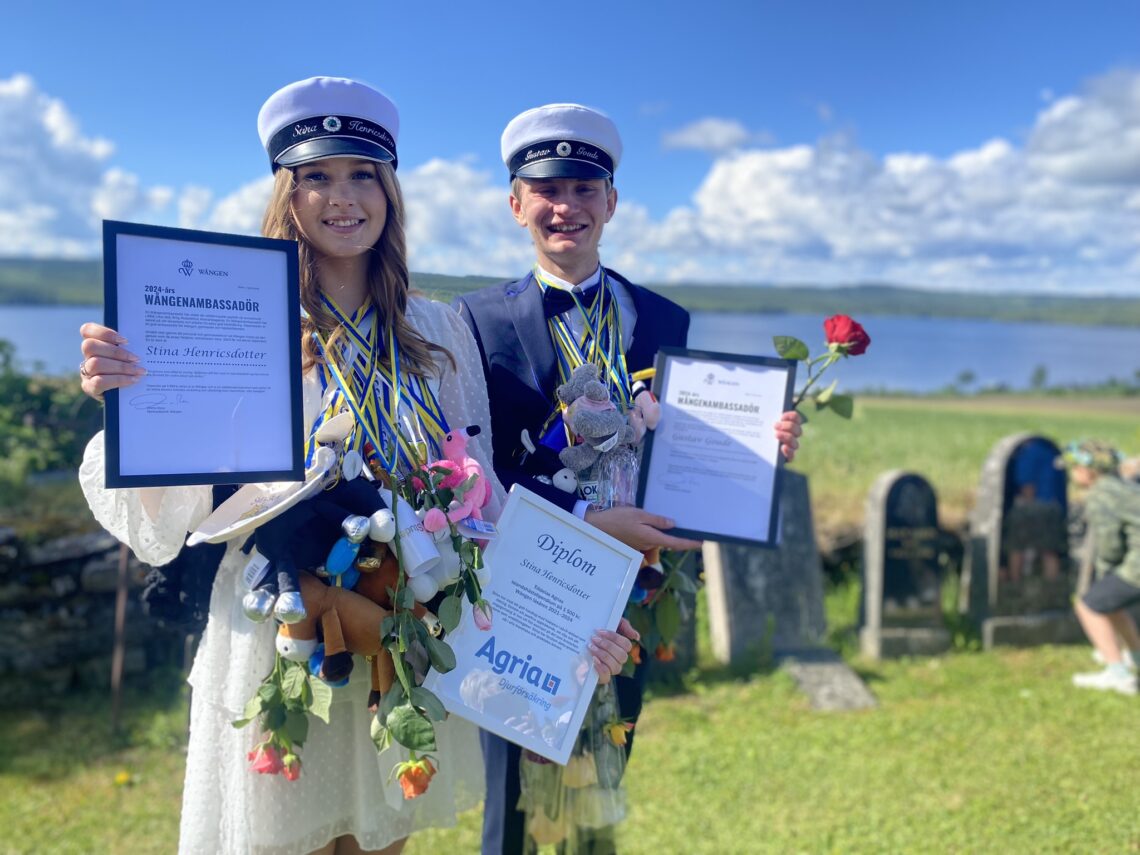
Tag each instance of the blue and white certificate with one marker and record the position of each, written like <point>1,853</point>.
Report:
<point>215,320</point>
<point>555,579</point>
<point>713,464</point>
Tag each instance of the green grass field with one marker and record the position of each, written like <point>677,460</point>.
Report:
<point>968,753</point>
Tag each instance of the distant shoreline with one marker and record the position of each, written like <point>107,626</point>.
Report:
<point>52,282</point>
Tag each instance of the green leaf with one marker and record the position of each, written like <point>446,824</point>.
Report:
<point>627,667</point>
<point>790,347</point>
<point>293,684</point>
<point>429,703</point>
<point>297,727</point>
<point>388,624</point>
<point>668,614</point>
<point>406,599</point>
<point>823,397</point>
<point>441,655</point>
<point>641,620</point>
<point>253,707</point>
<point>270,693</point>
<point>679,580</point>
<point>402,671</point>
<point>470,587</point>
<point>381,736</point>
<point>842,405</point>
<point>467,553</point>
<point>322,699</point>
<point>450,613</point>
<point>275,717</point>
<point>411,728</point>
<point>388,703</point>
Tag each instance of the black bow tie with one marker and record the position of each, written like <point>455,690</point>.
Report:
<point>557,301</point>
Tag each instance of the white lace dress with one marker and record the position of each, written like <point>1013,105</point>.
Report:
<point>226,808</point>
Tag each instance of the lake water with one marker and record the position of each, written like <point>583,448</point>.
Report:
<point>906,354</point>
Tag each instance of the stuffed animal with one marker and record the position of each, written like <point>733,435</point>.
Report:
<point>460,468</point>
<point>300,538</point>
<point>600,428</point>
<point>645,414</point>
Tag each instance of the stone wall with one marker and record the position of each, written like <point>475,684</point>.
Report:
<point>57,618</point>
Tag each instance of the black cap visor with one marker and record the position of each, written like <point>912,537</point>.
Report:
<point>338,146</point>
<point>562,167</point>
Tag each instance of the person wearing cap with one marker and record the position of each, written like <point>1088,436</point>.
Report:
<point>1112,509</point>
<point>332,148</point>
<point>532,332</point>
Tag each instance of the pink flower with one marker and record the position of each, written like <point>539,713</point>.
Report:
<point>291,767</point>
<point>265,759</point>
<point>482,615</point>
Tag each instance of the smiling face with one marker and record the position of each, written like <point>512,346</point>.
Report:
<point>565,218</point>
<point>339,206</point>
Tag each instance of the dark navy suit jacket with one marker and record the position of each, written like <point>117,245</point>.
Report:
<point>522,371</point>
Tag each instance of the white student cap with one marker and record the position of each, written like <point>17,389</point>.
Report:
<point>328,117</point>
<point>561,141</point>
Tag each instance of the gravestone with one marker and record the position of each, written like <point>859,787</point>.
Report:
<point>1031,607</point>
<point>766,606</point>
<point>902,576</point>
<point>763,602</point>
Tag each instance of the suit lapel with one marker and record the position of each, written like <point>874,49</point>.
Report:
<point>643,345</point>
<point>524,302</point>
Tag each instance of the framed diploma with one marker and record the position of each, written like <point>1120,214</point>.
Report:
<point>713,465</point>
<point>555,579</point>
<point>215,321</point>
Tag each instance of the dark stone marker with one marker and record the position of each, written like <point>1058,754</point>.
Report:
<point>902,579</point>
<point>1030,606</point>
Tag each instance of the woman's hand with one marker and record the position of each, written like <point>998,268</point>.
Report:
<point>788,430</point>
<point>611,649</point>
<point>106,363</point>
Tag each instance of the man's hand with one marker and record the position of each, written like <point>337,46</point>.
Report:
<point>611,649</point>
<point>788,431</point>
<point>639,529</point>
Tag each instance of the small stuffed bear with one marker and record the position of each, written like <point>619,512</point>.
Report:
<point>602,429</point>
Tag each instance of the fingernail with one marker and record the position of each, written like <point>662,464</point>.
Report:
<point>139,370</point>
<point>131,357</point>
<point>120,340</point>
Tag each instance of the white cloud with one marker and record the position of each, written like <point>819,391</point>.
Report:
<point>1058,212</point>
<point>55,184</point>
<point>713,135</point>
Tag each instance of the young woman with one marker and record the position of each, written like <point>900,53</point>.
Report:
<point>332,143</point>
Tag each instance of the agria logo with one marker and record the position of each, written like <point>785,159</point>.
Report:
<point>504,662</point>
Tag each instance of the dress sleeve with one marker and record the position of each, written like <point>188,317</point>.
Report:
<point>462,391</point>
<point>152,521</point>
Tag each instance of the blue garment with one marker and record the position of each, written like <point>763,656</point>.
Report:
<point>1034,463</point>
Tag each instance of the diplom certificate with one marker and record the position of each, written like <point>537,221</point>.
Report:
<point>215,320</point>
<point>554,580</point>
<point>713,464</point>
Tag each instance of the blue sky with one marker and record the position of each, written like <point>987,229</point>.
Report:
<point>968,145</point>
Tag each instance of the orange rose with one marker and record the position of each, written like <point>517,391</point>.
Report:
<point>635,653</point>
<point>665,653</point>
<point>415,776</point>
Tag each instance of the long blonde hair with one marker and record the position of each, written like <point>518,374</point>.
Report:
<point>388,281</point>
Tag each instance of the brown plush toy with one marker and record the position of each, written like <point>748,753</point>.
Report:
<point>348,621</point>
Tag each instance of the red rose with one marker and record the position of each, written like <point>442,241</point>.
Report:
<point>847,333</point>
<point>291,767</point>
<point>265,759</point>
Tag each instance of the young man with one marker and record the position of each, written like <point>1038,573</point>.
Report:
<point>531,333</point>
<point>1113,513</point>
